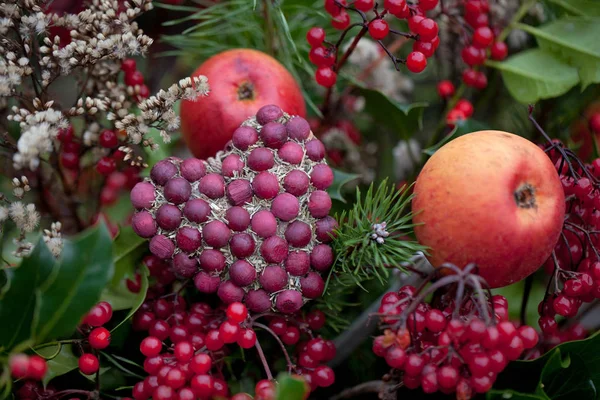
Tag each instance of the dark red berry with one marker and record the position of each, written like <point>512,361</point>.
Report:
<point>416,62</point>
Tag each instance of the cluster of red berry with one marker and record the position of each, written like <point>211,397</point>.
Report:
<point>442,347</point>
<point>135,80</point>
<point>98,337</point>
<point>23,366</point>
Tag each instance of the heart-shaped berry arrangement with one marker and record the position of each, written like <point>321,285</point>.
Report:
<point>250,224</point>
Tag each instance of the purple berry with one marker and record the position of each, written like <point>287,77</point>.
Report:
<point>143,224</point>
<point>239,192</point>
<point>298,129</point>
<point>242,273</point>
<point>184,266</point>
<point>231,164</point>
<point>321,257</point>
<point>162,247</point>
<point>168,217</point>
<point>229,293</point>
<point>197,210</point>
<point>206,283</point>
<point>212,185</point>
<point>257,301</point>
<point>178,190</point>
<point>274,135</point>
<point>273,278</point>
<point>193,169</point>
<point>319,204</point>
<point>291,152</point>
<point>315,150</point>
<point>312,285</point>
<point>298,234</point>
<point>260,159</point>
<point>241,245</point>
<point>325,229</point>
<point>188,239</point>
<point>244,137</point>
<point>285,207</point>
<point>212,260</point>
<point>216,234</point>
<point>274,249</point>
<point>238,218</point>
<point>142,195</point>
<point>162,172</point>
<point>296,182</point>
<point>268,113</point>
<point>265,185</point>
<point>264,224</point>
<point>321,176</point>
<point>289,301</point>
<point>297,263</point>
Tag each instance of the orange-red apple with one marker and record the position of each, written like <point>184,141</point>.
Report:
<point>241,81</point>
<point>490,198</point>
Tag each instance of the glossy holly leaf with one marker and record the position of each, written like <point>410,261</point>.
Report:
<point>340,178</point>
<point>60,360</point>
<point>401,119</point>
<point>84,269</point>
<point>583,8</point>
<point>575,41</point>
<point>128,249</point>
<point>289,388</point>
<point>565,376</point>
<point>512,395</point>
<point>536,74</point>
<point>137,298</point>
<point>18,301</point>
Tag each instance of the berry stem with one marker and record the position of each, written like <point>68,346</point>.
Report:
<point>521,12</point>
<point>261,354</point>
<point>290,365</point>
<point>359,390</point>
<point>526,293</point>
<point>63,393</point>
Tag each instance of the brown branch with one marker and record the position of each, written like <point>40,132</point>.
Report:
<point>363,388</point>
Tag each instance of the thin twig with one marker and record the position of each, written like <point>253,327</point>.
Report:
<point>261,354</point>
<point>363,388</point>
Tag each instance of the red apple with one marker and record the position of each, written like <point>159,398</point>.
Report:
<point>241,81</point>
<point>490,198</point>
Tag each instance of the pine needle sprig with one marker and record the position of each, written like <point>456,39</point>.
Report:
<point>374,236</point>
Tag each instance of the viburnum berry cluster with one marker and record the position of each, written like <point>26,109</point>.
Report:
<point>98,337</point>
<point>187,345</point>
<point>252,224</point>
<point>457,343</point>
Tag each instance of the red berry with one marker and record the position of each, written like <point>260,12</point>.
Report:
<point>395,357</point>
<point>435,321</point>
<point>445,89</point>
<point>325,77</point>
<point>99,315</point>
<point>364,5</point>
<point>447,377</point>
<point>399,8</point>
<point>315,36</point>
<point>427,29</point>
<point>323,376</point>
<point>151,346</point>
<point>341,21</point>
<point>19,365</point>
<point>594,123</point>
<point>483,37</point>
<point>481,384</point>
<point>465,106</point>
<point>134,78</point>
<point>228,331</point>
<point>183,351</point>
<point>237,312</point>
<point>203,386</point>
<point>99,338</point>
<point>499,51</point>
<point>454,116</point>
<point>414,365</point>
<point>427,48</point>
<point>214,341</point>
<point>69,160</point>
<point>416,62</point>
<point>291,336</point>
<point>88,364</point>
<point>427,5</point>
<point>108,139</point>
<point>106,165</point>
<point>201,363</point>
<point>472,56</point>
<point>316,320</point>
<point>563,305</point>
<point>128,65</point>
<point>175,378</point>
<point>246,338</point>
<point>414,21</point>
<point>378,29</point>
<point>321,57</point>
<point>529,336</point>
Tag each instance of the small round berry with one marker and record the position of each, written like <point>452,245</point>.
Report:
<point>499,51</point>
<point>298,129</point>
<point>177,190</point>
<point>242,273</point>
<point>427,5</point>
<point>106,166</point>
<point>143,224</point>
<point>142,195</point>
<point>193,169</point>
<point>241,245</point>
<point>321,258</point>
<point>319,204</point>
<point>99,314</point>
<point>69,160</point>
<point>246,339</point>
<point>465,106</point>
<point>213,340</point>
<point>472,56</point>
<point>291,152</point>
<point>162,172</point>
<point>265,185</point>
<point>274,135</point>
<point>321,176</point>
<point>216,234</point>
<point>297,263</point>
<point>128,65</point>
<point>364,5</point>
<point>323,376</point>
<point>445,89</point>
<point>184,265</point>
<point>175,379</point>
<point>315,36</point>
<point>134,78</point>
<point>108,139</point>
<point>201,363</point>
<point>212,260</point>
<point>312,285</point>
<point>296,182</point>
<point>416,62</point>
<point>99,338</point>
<point>258,301</point>
<point>264,224</point>
<point>291,336</point>
<point>268,113</point>
<point>341,21</point>
<point>229,293</point>
<point>151,346</point>
<point>228,332</point>
<point>321,57</point>
<point>395,357</point>
<point>325,229</point>
<point>212,185</point>
<point>273,278</point>
<point>274,249</point>
<point>244,137</point>
<point>325,77</point>
<point>238,218</point>
<point>162,247</point>
<point>188,239</point>
<point>19,365</point>
<point>203,386</point>
<point>447,377</point>
<point>398,8</point>
<point>206,283</point>
<point>232,164</point>
<point>315,150</point>
<point>197,210</point>
<point>298,234</point>
<point>239,192</point>
<point>483,37</point>
<point>427,29</point>
<point>379,29</point>
<point>88,364</point>
<point>529,336</point>
<point>260,159</point>
<point>427,48</point>
<point>288,301</point>
<point>168,217</point>
<point>237,312</point>
<point>285,207</point>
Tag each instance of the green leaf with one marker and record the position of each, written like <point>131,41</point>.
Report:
<point>403,120</point>
<point>573,40</point>
<point>582,8</point>
<point>536,74</point>
<point>18,302</point>
<point>512,395</point>
<point>564,378</point>
<point>138,299</point>
<point>289,388</point>
<point>65,361</point>
<point>128,248</point>
<point>340,178</point>
<point>462,128</point>
<point>84,269</point>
